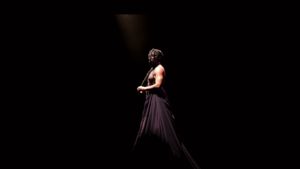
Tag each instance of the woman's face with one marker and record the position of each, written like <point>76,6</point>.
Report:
<point>153,59</point>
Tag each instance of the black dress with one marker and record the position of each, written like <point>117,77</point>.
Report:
<point>157,144</point>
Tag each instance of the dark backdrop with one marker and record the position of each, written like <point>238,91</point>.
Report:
<point>88,111</point>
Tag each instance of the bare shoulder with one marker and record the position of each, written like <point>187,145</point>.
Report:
<point>159,69</point>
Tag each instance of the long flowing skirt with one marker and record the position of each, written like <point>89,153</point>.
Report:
<point>157,144</point>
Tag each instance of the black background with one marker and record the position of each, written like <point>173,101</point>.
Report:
<point>80,90</point>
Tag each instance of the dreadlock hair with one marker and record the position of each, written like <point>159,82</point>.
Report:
<point>146,76</point>
<point>156,54</point>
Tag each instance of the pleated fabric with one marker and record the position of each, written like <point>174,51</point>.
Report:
<point>157,144</point>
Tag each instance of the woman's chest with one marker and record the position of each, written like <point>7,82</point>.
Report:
<point>151,78</point>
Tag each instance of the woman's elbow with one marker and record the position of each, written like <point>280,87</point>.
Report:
<point>157,85</point>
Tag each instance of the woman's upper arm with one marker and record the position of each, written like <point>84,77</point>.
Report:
<point>159,76</point>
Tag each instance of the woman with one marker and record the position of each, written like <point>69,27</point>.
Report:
<point>157,144</point>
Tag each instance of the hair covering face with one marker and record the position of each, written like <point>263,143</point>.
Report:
<point>154,57</point>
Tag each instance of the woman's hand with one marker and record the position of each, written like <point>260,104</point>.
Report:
<point>140,88</point>
<point>143,92</point>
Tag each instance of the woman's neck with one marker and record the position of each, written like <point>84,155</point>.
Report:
<point>157,65</point>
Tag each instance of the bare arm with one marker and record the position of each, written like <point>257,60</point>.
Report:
<point>158,79</point>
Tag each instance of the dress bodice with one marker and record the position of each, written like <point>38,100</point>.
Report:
<point>151,79</point>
